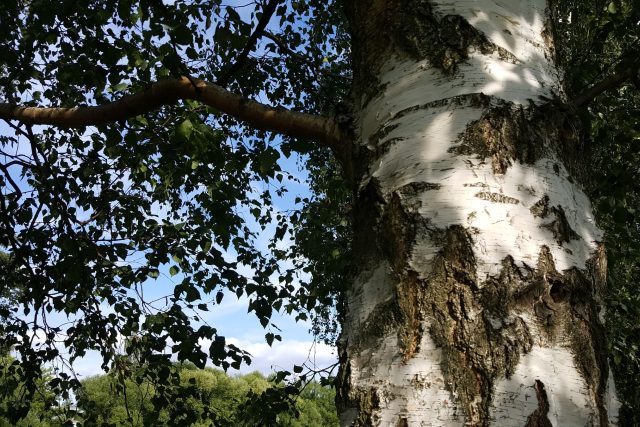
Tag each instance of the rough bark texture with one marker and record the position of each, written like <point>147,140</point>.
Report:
<point>479,270</point>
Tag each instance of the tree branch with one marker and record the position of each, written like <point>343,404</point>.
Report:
<point>322,129</point>
<point>628,73</point>
<point>267,13</point>
<point>299,57</point>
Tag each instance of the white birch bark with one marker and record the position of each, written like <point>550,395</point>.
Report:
<point>425,113</point>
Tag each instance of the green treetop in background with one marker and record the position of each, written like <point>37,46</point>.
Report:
<point>105,399</point>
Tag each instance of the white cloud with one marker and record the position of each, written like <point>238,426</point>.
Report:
<point>282,355</point>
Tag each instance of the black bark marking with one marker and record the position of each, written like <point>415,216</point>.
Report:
<point>496,198</point>
<point>378,145</point>
<point>477,99</point>
<point>381,133</point>
<point>410,297</point>
<point>504,134</point>
<point>480,341</point>
<point>366,402</point>
<point>539,417</point>
<point>392,237</point>
<point>588,335</point>
<point>445,41</point>
<point>560,228</point>
<point>397,232</point>
<point>368,207</point>
<point>383,318</point>
<point>541,208</point>
<point>508,132</point>
<point>477,184</point>
<point>416,188</point>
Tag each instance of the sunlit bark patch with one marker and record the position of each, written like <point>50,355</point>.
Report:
<point>516,399</point>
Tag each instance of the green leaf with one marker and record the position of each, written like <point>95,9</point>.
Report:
<point>119,87</point>
<point>269,337</point>
<point>192,294</point>
<point>184,130</point>
<point>182,35</point>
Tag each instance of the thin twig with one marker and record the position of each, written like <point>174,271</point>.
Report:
<point>267,13</point>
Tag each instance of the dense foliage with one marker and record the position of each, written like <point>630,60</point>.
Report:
<point>44,409</point>
<point>603,41</point>
<point>91,219</point>
<point>106,399</point>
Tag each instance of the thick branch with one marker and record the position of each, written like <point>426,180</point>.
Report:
<point>169,91</point>
<point>612,82</point>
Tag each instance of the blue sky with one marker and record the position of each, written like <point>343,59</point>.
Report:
<point>231,318</point>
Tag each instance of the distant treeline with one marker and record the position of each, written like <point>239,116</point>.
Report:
<point>212,398</point>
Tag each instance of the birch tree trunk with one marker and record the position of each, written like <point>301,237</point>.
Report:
<point>477,297</point>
